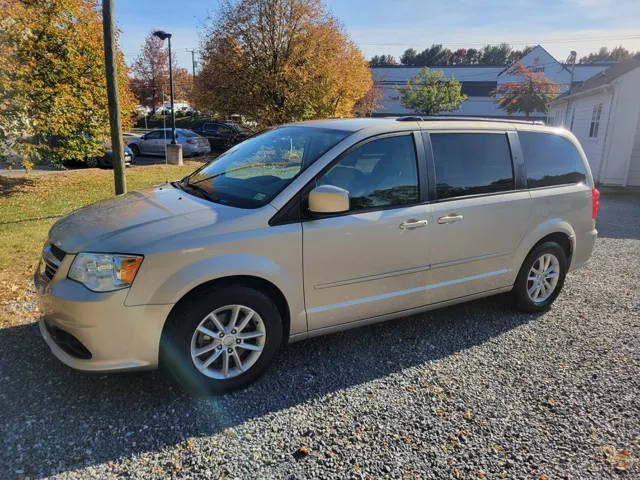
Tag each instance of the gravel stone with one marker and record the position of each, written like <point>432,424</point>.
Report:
<point>473,391</point>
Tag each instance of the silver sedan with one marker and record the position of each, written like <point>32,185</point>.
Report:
<point>155,142</point>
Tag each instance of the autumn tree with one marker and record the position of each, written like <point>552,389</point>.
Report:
<point>53,95</point>
<point>531,94</point>
<point>369,103</point>
<point>516,55</point>
<point>458,57</point>
<point>428,94</point>
<point>278,61</point>
<point>150,72</point>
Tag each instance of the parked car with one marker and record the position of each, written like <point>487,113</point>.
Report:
<point>314,228</point>
<point>222,136</point>
<point>154,142</point>
<point>106,160</point>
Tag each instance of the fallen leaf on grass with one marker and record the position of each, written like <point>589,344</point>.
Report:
<point>467,414</point>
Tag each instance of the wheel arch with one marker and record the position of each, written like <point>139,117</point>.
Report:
<point>258,283</point>
<point>557,230</point>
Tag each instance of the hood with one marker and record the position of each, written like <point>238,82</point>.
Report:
<point>139,222</point>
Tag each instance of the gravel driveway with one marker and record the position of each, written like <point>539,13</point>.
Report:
<point>473,391</point>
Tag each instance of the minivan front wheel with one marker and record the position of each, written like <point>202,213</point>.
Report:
<point>541,277</point>
<point>221,341</point>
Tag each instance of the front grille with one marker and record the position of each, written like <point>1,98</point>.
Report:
<point>52,257</point>
<point>58,253</point>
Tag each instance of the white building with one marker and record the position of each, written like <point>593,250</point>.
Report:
<point>604,113</point>
<point>479,80</point>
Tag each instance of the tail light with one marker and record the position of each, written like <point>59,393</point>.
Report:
<point>191,142</point>
<point>595,204</point>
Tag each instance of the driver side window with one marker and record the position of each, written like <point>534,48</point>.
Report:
<point>380,173</point>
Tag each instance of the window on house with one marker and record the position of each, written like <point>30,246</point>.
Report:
<point>595,120</point>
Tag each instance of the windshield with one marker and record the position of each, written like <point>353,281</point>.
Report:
<point>253,172</point>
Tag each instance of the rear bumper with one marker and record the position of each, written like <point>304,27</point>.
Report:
<point>96,332</point>
<point>583,247</point>
<point>188,149</point>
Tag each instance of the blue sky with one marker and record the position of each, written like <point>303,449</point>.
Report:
<point>391,26</point>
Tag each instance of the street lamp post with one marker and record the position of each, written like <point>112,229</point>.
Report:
<point>167,36</point>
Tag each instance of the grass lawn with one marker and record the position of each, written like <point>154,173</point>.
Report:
<point>29,205</point>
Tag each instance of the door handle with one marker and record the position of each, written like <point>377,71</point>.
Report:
<point>451,218</point>
<point>413,223</point>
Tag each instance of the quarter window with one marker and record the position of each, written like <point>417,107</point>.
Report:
<point>380,173</point>
<point>471,163</point>
<point>550,160</point>
<point>595,120</point>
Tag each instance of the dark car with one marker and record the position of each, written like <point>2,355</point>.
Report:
<point>221,136</point>
<point>106,161</point>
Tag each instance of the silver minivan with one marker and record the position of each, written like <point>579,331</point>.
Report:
<point>312,228</point>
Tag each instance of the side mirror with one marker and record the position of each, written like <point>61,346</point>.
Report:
<point>328,199</point>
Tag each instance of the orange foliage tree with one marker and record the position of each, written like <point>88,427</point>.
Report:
<point>278,61</point>
<point>150,75</point>
<point>531,94</point>
<point>53,98</point>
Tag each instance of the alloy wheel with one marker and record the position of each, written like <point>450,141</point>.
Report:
<point>543,277</point>
<point>228,342</point>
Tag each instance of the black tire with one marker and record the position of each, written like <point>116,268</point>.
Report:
<point>93,162</point>
<point>135,149</point>
<point>520,295</point>
<point>175,345</point>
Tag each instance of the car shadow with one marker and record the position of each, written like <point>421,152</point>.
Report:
<point>76,420</point>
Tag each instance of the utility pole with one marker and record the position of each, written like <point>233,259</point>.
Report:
<point>111,68</point>
<point>193,75</point>
<point>571,60</point>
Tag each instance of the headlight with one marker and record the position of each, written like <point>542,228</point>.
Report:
<point>104,272</point>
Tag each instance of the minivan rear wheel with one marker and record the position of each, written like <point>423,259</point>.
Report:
<point>541,278</point>
<point>222,340</point>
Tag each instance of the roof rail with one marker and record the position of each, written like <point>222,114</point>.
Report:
<point>416,118</point>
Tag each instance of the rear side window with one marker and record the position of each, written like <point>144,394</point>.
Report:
<point>550,160</point>
<point>471,163</point>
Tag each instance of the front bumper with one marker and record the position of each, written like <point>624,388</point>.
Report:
<point>117,337</point>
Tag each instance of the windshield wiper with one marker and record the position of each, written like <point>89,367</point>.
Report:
<point>195,189</point>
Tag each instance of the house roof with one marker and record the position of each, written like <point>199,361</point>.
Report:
<point>605,77</point>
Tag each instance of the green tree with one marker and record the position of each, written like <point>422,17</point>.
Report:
<point>382,60</point>
<point>495,54</point>
<point>434,55</point>
<point>409,57</point>
<point>53,101</point>
<point>531,94</point>
<point>618,54</point>
<point>428,94</point>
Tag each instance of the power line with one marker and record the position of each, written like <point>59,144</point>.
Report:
<point>512,42</point>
